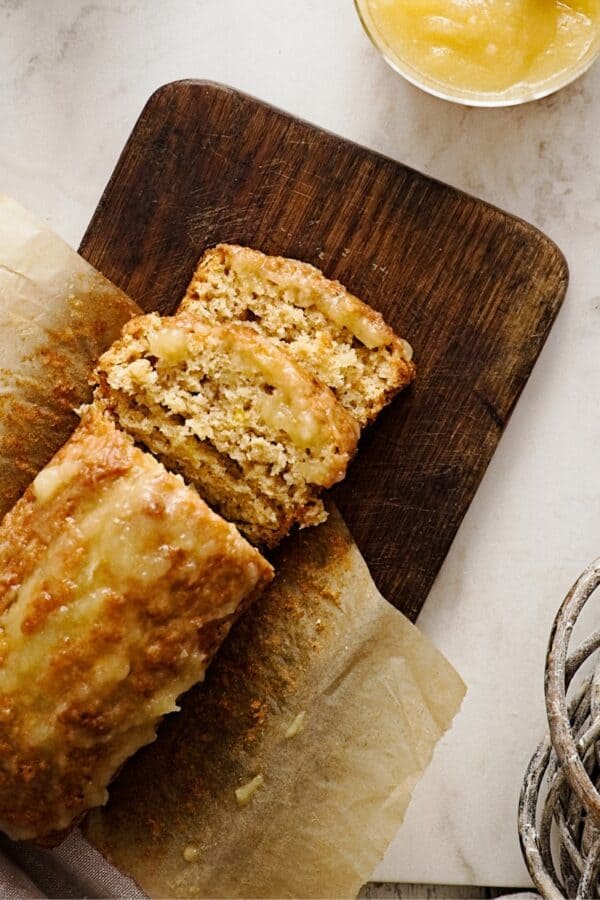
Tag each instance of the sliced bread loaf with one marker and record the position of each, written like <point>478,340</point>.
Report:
<point>342,340</point>
<point>234,413</point>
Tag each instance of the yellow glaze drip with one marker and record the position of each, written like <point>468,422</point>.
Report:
<point>289,406</point>
<point>342,309</point>
<point>170,344</point>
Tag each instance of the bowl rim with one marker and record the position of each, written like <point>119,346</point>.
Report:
<point>487,99</point>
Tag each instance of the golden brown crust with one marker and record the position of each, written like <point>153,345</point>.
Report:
<point>117,585</point>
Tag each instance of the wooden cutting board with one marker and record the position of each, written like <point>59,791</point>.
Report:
<point>473,289</point>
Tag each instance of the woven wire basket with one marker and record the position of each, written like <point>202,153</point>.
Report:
<point>559,807</point>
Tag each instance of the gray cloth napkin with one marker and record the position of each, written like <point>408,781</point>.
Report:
<point>73,870</point>
<point>14,884</point>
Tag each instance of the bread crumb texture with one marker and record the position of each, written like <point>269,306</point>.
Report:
<point>342,340</point>
<point>117,586</point>
<point>235,413</point>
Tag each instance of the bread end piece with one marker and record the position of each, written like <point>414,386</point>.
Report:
<point>117,586</point>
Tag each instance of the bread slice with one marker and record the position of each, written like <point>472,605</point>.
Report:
<point>117,586</point>
<point>343,341</point>
<point>234,413</point>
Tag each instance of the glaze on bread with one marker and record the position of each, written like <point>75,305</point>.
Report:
<point>231,410</point>
<point>117,586</point>
<point>342,340</point>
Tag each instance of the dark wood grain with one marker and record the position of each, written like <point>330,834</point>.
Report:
<point>473,289</point>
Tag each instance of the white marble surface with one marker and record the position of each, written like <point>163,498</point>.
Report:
<point>74,76</point>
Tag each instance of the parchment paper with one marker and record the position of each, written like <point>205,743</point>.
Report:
<point>376,696</point>
<point>57,315</point>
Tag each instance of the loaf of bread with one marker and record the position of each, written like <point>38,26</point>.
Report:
<point>231,410</point>
<point>117,585</point>
<point>344,342</point>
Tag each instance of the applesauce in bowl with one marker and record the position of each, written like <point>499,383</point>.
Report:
<point>485,52</point>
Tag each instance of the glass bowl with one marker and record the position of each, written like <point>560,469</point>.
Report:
<point>520,93</point>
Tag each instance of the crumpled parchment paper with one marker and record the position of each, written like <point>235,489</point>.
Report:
<point>57,315</point>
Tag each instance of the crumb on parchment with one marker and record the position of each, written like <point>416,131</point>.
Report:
<point>191,853</point>
<point>297,725</point>
<point>244,794</point>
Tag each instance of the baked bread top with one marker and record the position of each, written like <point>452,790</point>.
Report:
<point>117,585</point>
<point>342,340</point>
